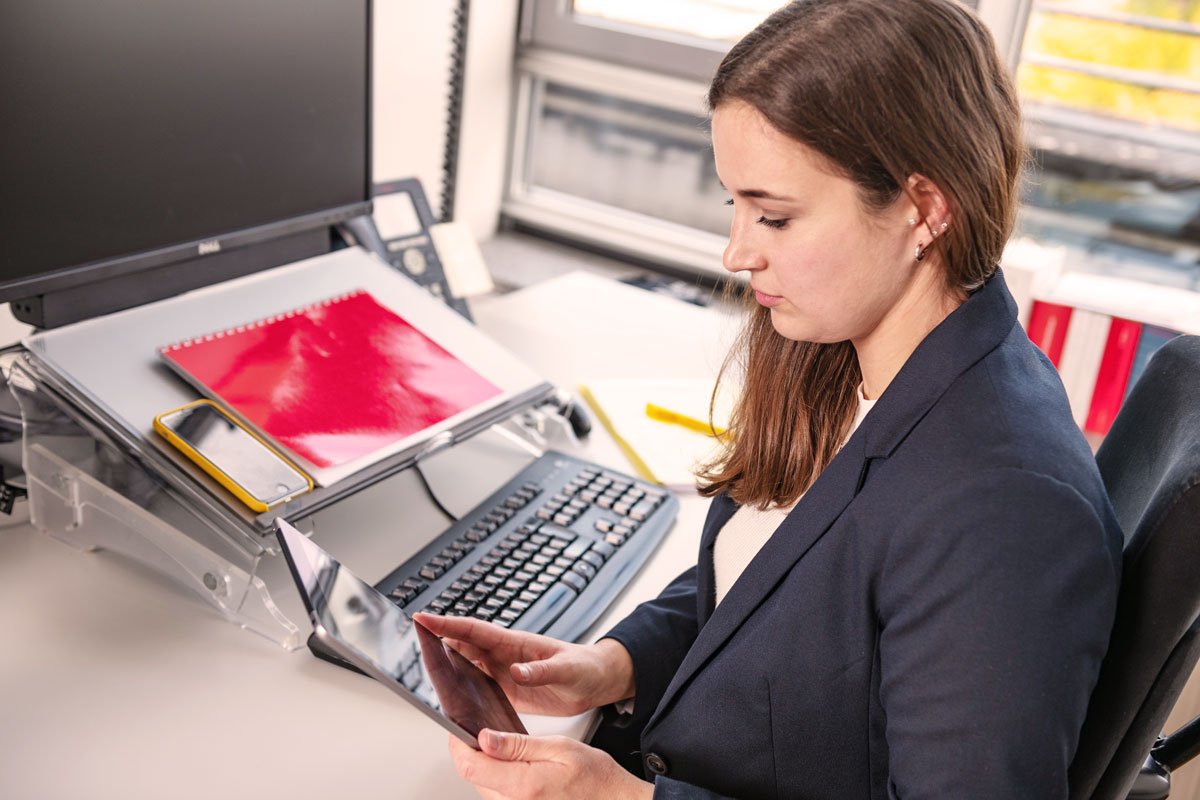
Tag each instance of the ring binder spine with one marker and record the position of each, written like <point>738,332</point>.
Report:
<point>260,323</point>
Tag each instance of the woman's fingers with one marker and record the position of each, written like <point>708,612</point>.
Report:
<point>488,641</point>
<point>556,669</point>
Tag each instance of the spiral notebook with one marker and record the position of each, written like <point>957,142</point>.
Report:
<point>339,383</point>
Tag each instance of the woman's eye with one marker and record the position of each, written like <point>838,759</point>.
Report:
<point>773,223</point>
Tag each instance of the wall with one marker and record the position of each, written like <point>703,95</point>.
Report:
<point>412,63</point>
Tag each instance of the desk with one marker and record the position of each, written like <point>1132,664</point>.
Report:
<point>115,682</point>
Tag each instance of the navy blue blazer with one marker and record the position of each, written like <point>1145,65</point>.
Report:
<point>928,622</point>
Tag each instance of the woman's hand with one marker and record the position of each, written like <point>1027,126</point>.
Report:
<point>540,675</point>
<point>512,765</point>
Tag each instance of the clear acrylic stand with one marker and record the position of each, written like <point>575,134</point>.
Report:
<point>89,491</point>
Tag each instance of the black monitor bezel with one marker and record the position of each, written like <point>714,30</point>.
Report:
<point>131,264</point>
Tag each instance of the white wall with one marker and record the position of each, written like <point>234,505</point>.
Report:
<point>412,64</point>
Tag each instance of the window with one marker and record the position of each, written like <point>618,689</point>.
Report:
<point>1111,92</point>
<point>612,140</point>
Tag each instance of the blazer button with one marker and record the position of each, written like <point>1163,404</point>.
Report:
<point>655,764</point>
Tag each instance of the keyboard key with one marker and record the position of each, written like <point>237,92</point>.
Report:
<point>508,615</point>
<point>604,525</point>
<point>585,569</point>
<point>475,535</point>
<point>558,532</point>
<point>615,539</point>
<point>576,549</point>
<point>605,549</point>
<point>574,580</point>
<point>593,558</point>
<point>548,607</point>
<point>564,519</point>
<point>430,572</point>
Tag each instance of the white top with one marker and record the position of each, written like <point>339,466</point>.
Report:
<point>749,528</point>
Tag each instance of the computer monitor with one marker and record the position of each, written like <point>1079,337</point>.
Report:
<point>152,146</point>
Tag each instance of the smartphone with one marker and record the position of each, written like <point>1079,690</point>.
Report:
<point>255,472</point>
<point>356,625</point>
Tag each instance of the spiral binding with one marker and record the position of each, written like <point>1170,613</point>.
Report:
<point>271,320</point>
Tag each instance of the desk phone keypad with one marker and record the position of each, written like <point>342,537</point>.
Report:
<point>546,553</point>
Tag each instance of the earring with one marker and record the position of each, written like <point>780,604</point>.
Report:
<point>919,253</point>
<point>911,222</point>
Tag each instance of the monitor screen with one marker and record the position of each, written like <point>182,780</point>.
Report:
<point>133,127</point>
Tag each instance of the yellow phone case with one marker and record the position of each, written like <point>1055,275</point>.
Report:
<point>212,469</point>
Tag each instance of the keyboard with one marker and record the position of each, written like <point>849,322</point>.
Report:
<point>548,552</point>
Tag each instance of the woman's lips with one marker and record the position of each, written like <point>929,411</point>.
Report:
<point>768,300</point>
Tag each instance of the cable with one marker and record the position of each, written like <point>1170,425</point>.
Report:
<point>454,103</point>
<point>432,496</point>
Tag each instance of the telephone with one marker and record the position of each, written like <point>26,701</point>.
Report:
<point>398,232</point>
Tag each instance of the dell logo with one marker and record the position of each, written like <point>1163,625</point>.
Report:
<point>207,248</point>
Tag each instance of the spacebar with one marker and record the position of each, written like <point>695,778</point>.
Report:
<point>548,607</point>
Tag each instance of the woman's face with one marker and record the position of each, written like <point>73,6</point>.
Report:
<point>828,270</point>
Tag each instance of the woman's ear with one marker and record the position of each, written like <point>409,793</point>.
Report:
<point>932,208</point>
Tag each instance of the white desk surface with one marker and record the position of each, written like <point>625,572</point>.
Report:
<point>115,682</point>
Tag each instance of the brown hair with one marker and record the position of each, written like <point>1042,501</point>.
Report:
<point>881,89</point>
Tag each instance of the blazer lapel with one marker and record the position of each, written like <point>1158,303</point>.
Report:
<point>719,512</point>
<point>817,510</point>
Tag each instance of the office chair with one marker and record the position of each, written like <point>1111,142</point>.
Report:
<point>1150,462</point>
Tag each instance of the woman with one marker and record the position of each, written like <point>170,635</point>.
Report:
<point>911,602</point>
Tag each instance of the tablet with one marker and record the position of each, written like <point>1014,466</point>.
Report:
<point>360,625</point>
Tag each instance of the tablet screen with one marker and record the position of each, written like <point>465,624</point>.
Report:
<point>383,641</point>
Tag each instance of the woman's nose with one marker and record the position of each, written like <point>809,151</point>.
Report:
<point>741,253</point>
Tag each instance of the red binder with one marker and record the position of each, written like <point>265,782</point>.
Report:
<point>1114,374</point>
<point>333,381</point>
<point>1048,328</point>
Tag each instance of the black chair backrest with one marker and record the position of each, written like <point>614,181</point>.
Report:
<point>1150,462</point>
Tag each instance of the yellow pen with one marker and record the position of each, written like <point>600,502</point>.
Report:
<point>675,418</point>
<point>640,466</point>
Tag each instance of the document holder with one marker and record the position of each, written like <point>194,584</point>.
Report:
<point>98,479</point>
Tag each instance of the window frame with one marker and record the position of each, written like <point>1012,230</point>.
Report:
<point>660,68</point>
